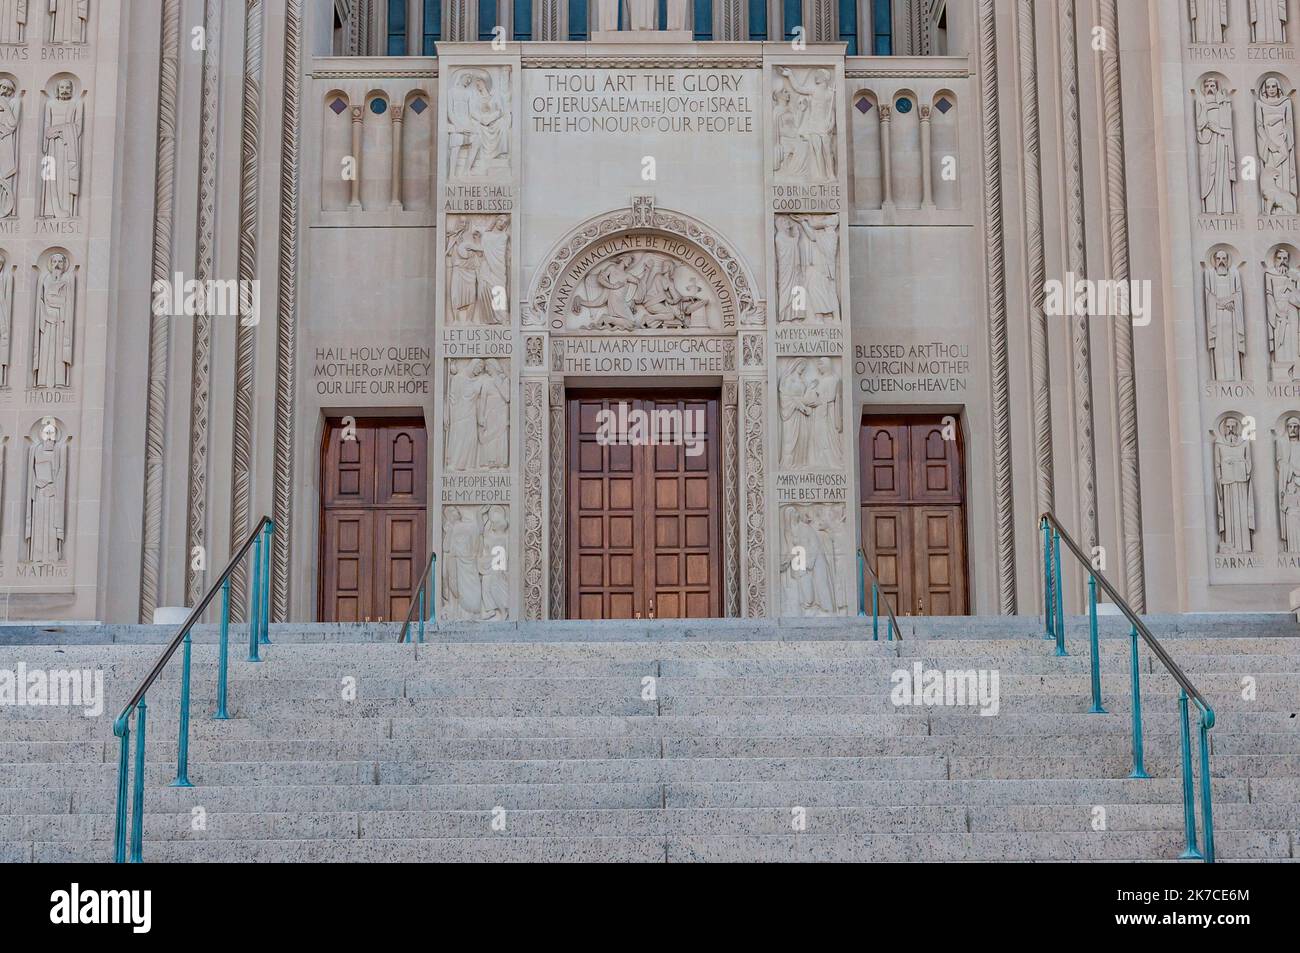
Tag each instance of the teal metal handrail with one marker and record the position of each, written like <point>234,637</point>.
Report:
<point>1054,617</point>
<point>864,566</point>
<point>260,541</point>
<point>430,582</point>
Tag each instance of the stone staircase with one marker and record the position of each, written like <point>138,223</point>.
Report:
<point>657,742</point>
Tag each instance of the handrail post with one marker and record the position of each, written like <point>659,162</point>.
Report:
<point>433,589</point>
<point>1207,811</point>
<point>1189,811</point>
<point>1139,771</point>
<point>265,635</point>
<point>255,620</point>
<point>1096,708</point>
<point>1059,612</point>
<point>1049,599</point>
<point>223,653</point>
<point>422,587</point>
<point>123,774</point>
<point>875,611</point>
<point>137,805</point>
<point>183,742</point>
<point>862,585</point>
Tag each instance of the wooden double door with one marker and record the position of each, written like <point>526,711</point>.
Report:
<point>914,511</point>
<point>373,520</point>
<point>643,533</point>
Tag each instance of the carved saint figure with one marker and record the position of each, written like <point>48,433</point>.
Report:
<point>1282,309</point>
<point>1225,318</point>
<point>47,496</point>
<point>1287,456</point>
<point>10,114</point>
<point>476,548</point>
<point>788,271</point>
<point>1233,493</point>
<point>56,303</point>
<point>814,101</point>
<point>68,20</point>
<point>641,290</point>
<point>480,125</point>
<point>1268,21</point>
<point>808,559</point>
<point>464,259</point>
<point>1216,153</point>
<point>64,122</point>
<point>807,262</point>
<point>6,318</point>
<point>495,243</point>
<point>791,148</point>
<point>477,429</point>
<point>476,269</point>
<point>493,563</point>
<point>810,411</point>
<point>13,21</point>
<point>1275,130</point>
<point>1209,20</point>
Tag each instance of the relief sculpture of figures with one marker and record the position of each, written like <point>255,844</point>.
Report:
<point>810,411</point>
<point>1282,309</point>
<point>805,121</point>
<point>808,564</point>
<point>10,115</point>
<point>1275,130</point>
<point>476,546</point>
<point>1217,154</point>
<point>642,291</point>
<point>1268,21</point>
<point>1209,20</point>
<point>68,20</point>
<point>1234,495</point>
<point>807,263</point>
<point>477,430</point>
<point>56,304</point>
<point>478,112</point>
<point>1225,317</point>
<point>1287,456</point>
<point>13,21</point>
<point>6,318</point>
<point>477,265</point>
<point>47,495</point>
<point>64,122</point>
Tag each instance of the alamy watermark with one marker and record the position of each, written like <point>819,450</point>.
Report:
<point>632,426</point>
<point>190,298</point>
<point>72,688</point>
<point>1108,298</point>
<point>933,687</point>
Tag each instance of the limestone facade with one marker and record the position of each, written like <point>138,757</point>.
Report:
<point>471,238</point>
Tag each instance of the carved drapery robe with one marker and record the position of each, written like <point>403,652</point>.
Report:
<point>52,347</point>
<point>1268,21</point>
<point>495,581</point>
<point>1282,303</point>
<point>68,20</point>
<point>1216,155</point>
<point>13,20</point>
<point>1209,20</point>
<point>463,396</point>
<point>1234,497</point>
<point>1225,305</point>
<point>1275,128</point>
<point>47,493</point>
<point>6,323</point>
<point>494,420</point>
<point>64,121</point>
<point>1288,492</point>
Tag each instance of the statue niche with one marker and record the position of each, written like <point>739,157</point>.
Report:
<point>475,568</point>
<point>478,257</point>
<point>44,524</point>
<point>479,120</point>
<point>1275,136</point>
<point>1286,452</point>
<point>1234,492</point>
<point>810,563</point>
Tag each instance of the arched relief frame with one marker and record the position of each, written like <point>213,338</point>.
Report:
<point>643,217</point>
<point>544,484</point>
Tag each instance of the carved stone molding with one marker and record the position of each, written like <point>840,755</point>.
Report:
<point>568,252</point>
<point>286,355</point>
<point>731,499</point>
<point>159,327</point>
<point>534,528</point>
<point>755,456</point>
<point>557,500</point>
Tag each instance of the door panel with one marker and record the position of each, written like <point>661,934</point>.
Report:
<point>644,523</point>
<point>373,518</point>
<point>913,517</point>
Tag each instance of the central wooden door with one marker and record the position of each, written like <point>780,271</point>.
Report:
<point>373,520</point>
<point>914,513</point>
<point>644,533</point>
